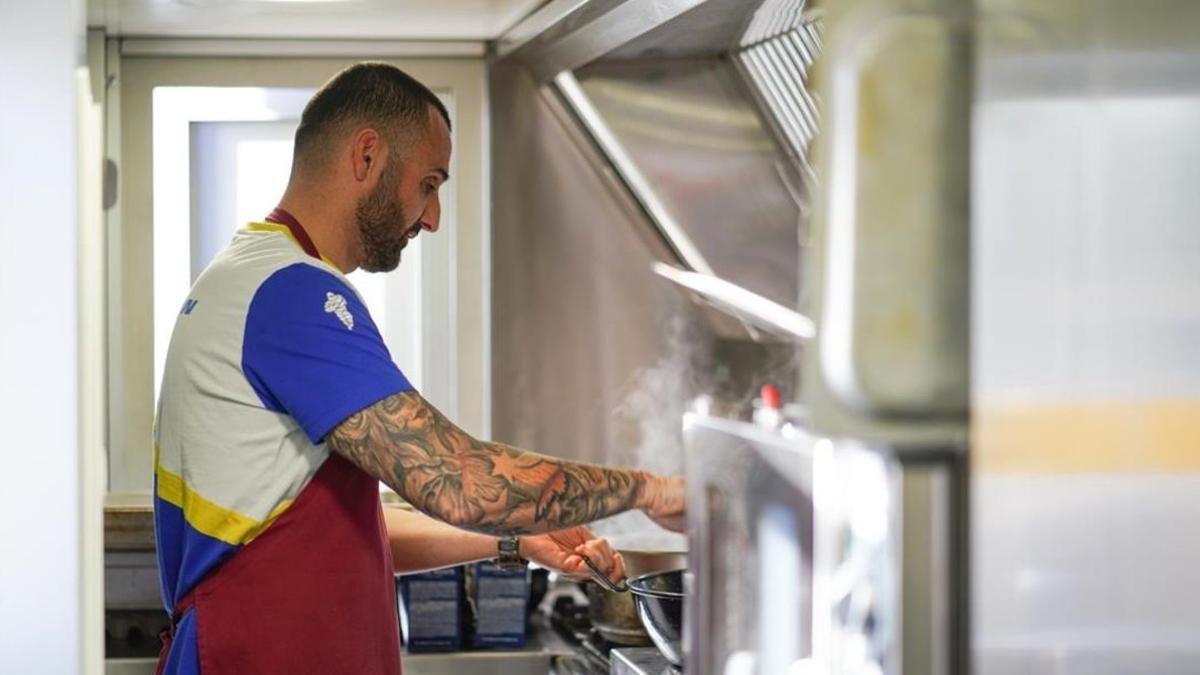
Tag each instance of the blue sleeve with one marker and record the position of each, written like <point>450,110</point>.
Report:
<point>312,351</point>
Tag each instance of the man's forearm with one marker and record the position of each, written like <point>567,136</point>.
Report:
<point>421,543</point>
<point>484,487</point>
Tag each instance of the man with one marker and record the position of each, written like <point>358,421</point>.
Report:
<point>281,409</point>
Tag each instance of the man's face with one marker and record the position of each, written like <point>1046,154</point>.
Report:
<point>405,200</point>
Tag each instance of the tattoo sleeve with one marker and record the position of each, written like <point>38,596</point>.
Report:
<point>486,487</point>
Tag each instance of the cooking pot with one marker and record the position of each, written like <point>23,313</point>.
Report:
<point>615,615</point>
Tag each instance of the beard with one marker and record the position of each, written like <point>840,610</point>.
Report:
<point>379,215</point>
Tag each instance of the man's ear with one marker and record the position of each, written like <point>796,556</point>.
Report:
<point>367,153</point>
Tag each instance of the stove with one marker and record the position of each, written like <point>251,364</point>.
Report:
<point>570,620</point>
<point>594,655</point>
<point>640,661</point>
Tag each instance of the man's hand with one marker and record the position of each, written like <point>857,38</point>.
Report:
<point>664,499</point>
<point>562,552</point>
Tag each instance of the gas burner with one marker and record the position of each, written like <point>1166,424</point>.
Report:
<point>570,620</point>
<point>597,645</point>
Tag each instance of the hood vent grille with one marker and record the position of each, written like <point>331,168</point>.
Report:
<point>780,45</point>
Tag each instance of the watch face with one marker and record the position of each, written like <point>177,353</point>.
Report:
<point>508,547</point>
<point>510,557</point>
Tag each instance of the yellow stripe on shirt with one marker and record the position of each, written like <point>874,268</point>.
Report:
<point>212,519</point>
<point>286,231</point>
<point>275,513</point>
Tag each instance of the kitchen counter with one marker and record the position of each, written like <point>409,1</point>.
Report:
<point>539,657</point>
<point>545,647</point>
<point>128,522</point>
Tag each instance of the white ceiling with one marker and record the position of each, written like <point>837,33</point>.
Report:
<point>338,19</point>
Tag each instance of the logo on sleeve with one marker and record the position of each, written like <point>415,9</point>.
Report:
<point>336,305</point>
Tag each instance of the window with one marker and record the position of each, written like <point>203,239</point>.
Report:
<point>221,159</point>
<point>204,145</point>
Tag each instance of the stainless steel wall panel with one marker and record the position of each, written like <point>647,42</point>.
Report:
<point>577,311</point>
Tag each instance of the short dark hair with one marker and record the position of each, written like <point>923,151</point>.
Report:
<point>372,94</point>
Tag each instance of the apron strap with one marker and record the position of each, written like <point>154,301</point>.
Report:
<point>167,636</point>
<point>289,221</point>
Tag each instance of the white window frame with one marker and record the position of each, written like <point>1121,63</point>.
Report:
<point>452,355</point>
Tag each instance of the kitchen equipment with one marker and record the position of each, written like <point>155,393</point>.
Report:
<point>601,578</point>
<point>659,598</point>
<point>751,513</point>
<point>614,614</point>
<point>639,661</point>
<point>568,616</point>
<point>747,306</point>
<point>890,371</point>
<point>961,242</point>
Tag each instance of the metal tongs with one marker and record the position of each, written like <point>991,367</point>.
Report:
<point>623,586</point>
<point>601,578</point>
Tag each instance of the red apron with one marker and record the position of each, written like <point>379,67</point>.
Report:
<point>314,593</point>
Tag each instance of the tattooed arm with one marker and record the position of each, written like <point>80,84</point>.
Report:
<point>488,487</point>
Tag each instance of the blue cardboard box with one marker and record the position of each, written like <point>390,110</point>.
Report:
<point>500,602</point>
<point>431,610</point>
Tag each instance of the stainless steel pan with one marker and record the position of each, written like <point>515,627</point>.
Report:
<point>615,613</point>
<point>659,599</point>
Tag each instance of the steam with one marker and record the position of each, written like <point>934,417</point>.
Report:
<point>647,422</point>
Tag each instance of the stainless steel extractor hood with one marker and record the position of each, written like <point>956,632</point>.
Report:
<point>701,112</point>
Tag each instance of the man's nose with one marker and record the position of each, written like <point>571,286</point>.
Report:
<point>431,217</point>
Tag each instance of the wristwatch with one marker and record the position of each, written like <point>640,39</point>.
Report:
<point>509,558</point>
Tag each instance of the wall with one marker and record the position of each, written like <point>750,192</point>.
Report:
<point>593,354</point>
<point>41,618</point>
